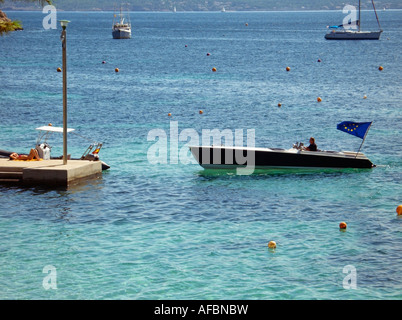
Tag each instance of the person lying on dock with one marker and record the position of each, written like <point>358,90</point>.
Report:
<point>33,155</point>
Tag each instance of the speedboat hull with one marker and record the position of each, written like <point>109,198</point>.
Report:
<point>353,35</point>
<point>221,157</point>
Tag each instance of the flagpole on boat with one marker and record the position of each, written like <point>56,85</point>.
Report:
<point>363,139</point>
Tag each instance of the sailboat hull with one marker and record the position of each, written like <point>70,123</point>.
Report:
<point>121,34</point>
<point>353,35</point>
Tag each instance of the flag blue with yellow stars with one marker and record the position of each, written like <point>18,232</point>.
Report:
<point>357,129</point>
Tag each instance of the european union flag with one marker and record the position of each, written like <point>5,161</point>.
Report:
<point>357,129</point>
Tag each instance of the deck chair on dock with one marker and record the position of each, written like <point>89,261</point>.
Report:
<point>94,155</point>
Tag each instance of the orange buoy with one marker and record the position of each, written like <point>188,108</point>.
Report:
<point>58,69</point>
<point>246,24</point>
<point>287,68</point>
<point>272,244</point>
<point>116,70</point>
<point>213,69</point>
<point>342,225</point>
<point>49,124</point>
<point>200,112</point>
<point>169,114</point>
<point>380,68</point>
<point>279,105</point>
<point>399,210</point>
<point>364,97</point>
<point>319,99</point>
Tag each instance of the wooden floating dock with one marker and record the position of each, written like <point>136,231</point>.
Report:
<point>47,172</point>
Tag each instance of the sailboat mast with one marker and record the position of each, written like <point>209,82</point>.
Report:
<point>359,17</point>
<point>375,11</point>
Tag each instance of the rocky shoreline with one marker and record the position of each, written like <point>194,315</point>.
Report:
<point>3,17</point>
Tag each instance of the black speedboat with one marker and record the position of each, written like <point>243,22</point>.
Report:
<point>224,157</point>
<point>229,157</point>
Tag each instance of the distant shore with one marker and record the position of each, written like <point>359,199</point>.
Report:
<point>188,11</point>
<point>197,5</point>
<point>144,8</point>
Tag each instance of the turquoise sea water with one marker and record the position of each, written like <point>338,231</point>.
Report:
<point>173,230</point>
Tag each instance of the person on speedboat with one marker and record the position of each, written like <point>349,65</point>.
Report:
<point>312,146</point>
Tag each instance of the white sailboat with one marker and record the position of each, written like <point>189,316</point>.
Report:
<point>352,34</point>
<point>122,27</point>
